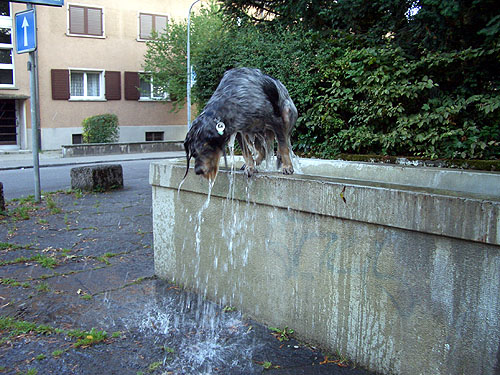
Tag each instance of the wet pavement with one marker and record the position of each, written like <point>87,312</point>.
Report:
<point>78,295</point>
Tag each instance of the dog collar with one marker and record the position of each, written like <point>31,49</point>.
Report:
<point>220,126</point>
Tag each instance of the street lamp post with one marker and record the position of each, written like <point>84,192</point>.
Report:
<point>189,67</point>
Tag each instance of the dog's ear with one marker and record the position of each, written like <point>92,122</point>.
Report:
<point>188,155</point>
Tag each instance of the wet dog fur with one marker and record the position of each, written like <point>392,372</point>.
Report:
<point>254,107</point>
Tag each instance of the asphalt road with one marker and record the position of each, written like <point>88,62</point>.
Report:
<point>18,183</point>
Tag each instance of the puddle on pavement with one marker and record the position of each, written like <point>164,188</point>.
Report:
<point>196,335</point>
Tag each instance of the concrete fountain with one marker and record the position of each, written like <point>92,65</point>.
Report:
<point>397,267</point>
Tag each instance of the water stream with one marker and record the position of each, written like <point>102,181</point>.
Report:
<point>205,338</point>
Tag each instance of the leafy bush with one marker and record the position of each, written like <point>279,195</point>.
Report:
<point>378,100</point>
<point>381,83</point>
<point>100,129</point>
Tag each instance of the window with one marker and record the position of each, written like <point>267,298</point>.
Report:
<point>86,85</point>
<point>154,136</point>
<point>83,84</point>
<point>147,89</point>
<point>149,23</point>
<point>6,47</point>
<point>76,139</point>
<point>86,21</point>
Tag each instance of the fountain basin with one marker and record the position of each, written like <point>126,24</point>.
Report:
<point>396,267</point>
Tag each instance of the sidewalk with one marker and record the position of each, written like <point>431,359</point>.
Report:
<point>78,296</point>
<point>24,159</point>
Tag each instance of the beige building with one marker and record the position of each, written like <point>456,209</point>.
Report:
<point>90,54</point>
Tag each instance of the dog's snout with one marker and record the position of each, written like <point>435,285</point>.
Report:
<point>198,169</point>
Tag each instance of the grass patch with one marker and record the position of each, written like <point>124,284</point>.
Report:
<point>87,338</point>
<point>154,366</point>
<point>57,353</point>
<point>43,287</point>
<point>105,258</point>
<point>43,260</point>
<point>19,327</point>
<point>13,327</point>
<point>52,206</point>
<point>10,246</point>
<point>12,282</point>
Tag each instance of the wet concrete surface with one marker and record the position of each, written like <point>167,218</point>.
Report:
<point>83,262</point>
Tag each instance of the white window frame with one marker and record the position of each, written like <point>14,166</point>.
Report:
<point>85,97</point>
<point>151,98</point>
<point>139,39</point>
<point>68,33</point>
<point>7,23</point>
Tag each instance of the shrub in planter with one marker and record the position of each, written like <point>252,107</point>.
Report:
<point>100,129</point>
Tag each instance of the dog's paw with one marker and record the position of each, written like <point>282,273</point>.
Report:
<point>250,171</point>
<point>288,170</point>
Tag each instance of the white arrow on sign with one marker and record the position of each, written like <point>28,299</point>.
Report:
<point>25,26</point>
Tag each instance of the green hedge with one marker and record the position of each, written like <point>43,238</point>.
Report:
<point>354,93</point>
<point>100,129</point>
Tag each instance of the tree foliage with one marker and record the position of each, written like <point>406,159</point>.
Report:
<point>394,77</point>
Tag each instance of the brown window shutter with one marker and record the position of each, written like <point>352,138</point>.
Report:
<point>76,20</point>
<point>94,21</point>
<point>60,84</point>
<point>132,86</point>
<point>113,85</point>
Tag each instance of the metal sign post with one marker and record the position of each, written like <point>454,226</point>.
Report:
<point>26,42</point>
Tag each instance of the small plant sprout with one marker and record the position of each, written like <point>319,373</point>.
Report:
<point>282,334</point>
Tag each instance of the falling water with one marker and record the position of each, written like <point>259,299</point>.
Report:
<point>205,338</point>
<point>198,338</point>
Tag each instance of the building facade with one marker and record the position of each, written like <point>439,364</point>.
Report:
<point>90,58</point>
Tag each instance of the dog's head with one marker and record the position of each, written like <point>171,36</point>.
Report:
<point>205,143</point>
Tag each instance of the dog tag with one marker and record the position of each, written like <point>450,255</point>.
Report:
<point>220,127</point>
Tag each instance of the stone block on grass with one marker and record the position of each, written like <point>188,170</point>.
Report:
<point>97,177</point>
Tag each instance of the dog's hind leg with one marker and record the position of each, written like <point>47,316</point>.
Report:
<point>283,138</point>
<point>249,166</point>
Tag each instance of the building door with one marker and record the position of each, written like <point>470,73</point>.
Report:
<point>8,129</point>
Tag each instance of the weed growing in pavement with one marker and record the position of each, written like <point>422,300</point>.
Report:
<point>43,287</point>
<point>267,365</point>
<point>87,338</point>
<point>52,206</point>
<point>11,246</point>
<point>13,327</point>
<point>154,366</point>
<point>104,258</point>
<point>228,309</point>
<point>57,353</point>
<point>43,260</point>
<point>282,334</point>
<point>12,282</point>
<point>17,327</point>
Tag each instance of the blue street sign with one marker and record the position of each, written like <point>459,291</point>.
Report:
<point>26,31</point>
<point>57,3</point>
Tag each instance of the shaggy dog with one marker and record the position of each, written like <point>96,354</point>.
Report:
<point>253,107</point>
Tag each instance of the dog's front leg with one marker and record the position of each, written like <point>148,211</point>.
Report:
<point>249,166</point>
<point>284,151</point>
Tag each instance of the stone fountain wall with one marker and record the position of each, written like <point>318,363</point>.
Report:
<point>397,268</point>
